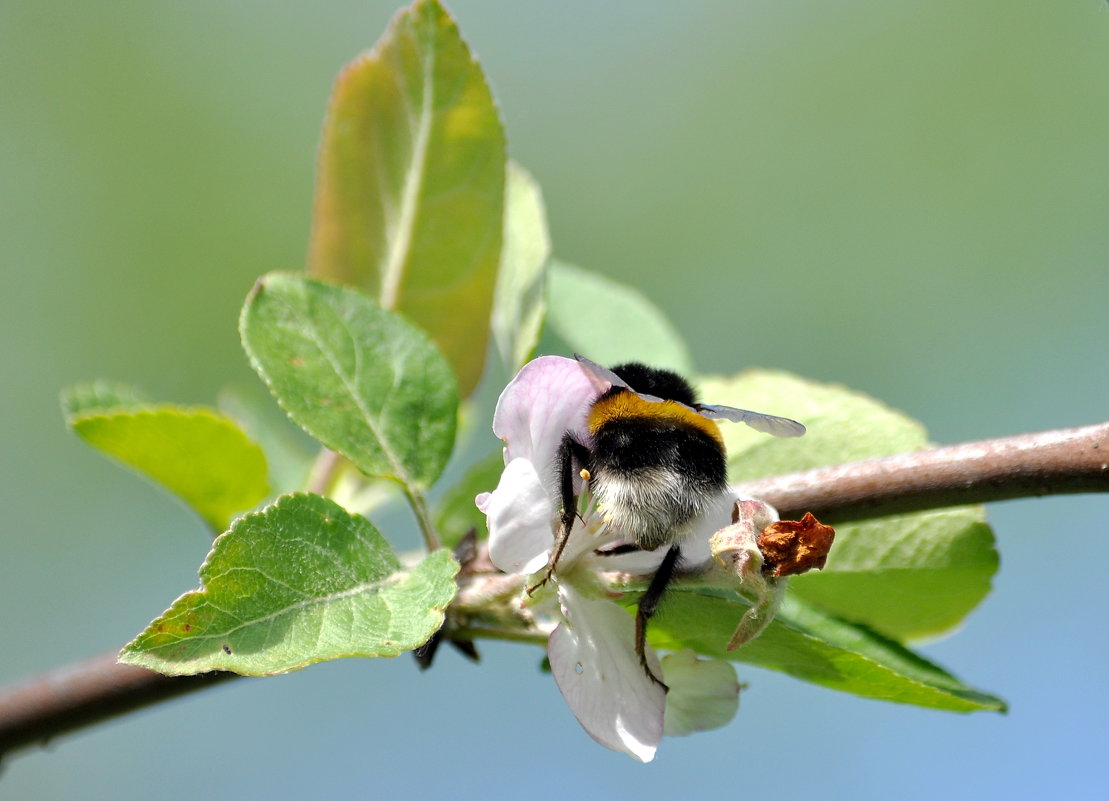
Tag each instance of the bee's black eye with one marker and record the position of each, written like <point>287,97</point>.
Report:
<point>660,383</point>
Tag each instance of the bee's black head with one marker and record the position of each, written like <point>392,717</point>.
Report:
<point>662,383</point>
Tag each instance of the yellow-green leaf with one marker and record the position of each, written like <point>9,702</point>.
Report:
<point>410,184</point>
<point>197,453</point>
<point>520,303</point>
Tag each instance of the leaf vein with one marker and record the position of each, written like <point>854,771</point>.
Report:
<point>322,600</point>
<point>400,239</point>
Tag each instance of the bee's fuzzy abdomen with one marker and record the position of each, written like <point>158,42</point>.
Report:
<point>652,478</point>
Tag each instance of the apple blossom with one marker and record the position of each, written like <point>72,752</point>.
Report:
<point>592,647</point>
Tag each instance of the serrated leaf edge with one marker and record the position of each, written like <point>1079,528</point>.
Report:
<point>131,654</point>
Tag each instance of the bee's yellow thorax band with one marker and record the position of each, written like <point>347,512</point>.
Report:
<point>629,406</point>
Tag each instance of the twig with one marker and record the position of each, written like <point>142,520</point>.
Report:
<point>327,469</point>
<point>1052,462</point>
<point>1071,460</point>
<point>418,501</point>
<point>324,471</point>
<point>85,693</point>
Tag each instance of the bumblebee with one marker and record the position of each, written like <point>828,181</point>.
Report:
<point>655,461</point>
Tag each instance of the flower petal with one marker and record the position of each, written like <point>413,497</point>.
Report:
<point>704,693</point>
<point>594,663</point>
<point>548,397</point>
<point>519,515</point>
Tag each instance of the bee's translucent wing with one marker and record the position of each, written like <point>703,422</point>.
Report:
<point>602,378</point>
<point>601,375</point>
<point>765,423</point>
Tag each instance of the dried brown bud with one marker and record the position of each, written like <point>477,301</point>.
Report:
<point>790,547</point>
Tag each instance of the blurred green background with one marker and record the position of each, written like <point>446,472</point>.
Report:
<point>909,198</point>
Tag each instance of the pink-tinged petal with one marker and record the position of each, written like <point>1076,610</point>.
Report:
<point>548,397</point>
<point>519,515</point>
<point>704,693</point>
<point>481,501</point>
<point>758,514</point>
<point>592,654</point>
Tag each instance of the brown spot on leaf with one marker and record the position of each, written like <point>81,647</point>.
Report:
<point>186,627</point>
<point>227,649</point>
<point>790,547</point>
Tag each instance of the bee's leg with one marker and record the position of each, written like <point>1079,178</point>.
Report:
<point>569,451</point>
<point>648,604</point>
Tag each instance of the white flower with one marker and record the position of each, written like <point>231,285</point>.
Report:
<point>592,648</point>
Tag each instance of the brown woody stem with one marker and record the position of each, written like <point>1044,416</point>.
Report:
<point>1065,461</point>
<point>85,693</point>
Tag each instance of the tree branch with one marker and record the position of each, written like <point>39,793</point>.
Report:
<point>1052,462</point>
<point>85,693</point>
<point>1065,461</point>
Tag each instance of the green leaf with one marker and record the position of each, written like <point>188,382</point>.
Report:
<point>364,381</point>
<point>290,453</point>
<point>196,453</point>
<point>520,303</point>
<point>904,576</point>
<point>608,322</point>
<point>99,396</point>
<point>410,184</point>
<point>813,646</point>
<point>456,513</point>
<point>302,581</point>
<point>907,576</point>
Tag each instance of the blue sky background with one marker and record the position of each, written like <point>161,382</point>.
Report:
<point>908,198</point>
